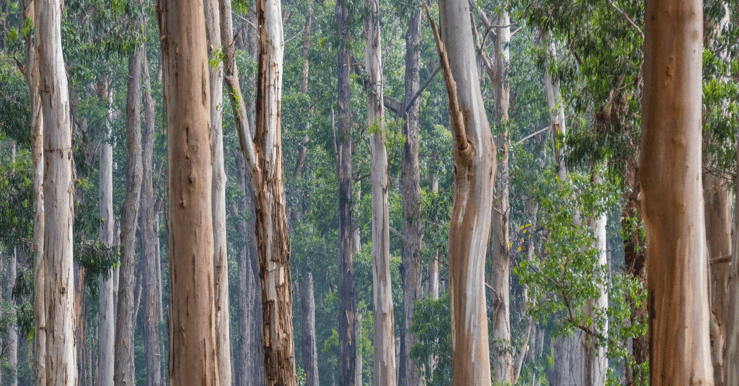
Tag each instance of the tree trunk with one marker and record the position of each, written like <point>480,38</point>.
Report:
<point>220,258</point>
<point>358,334</point>
<point>383,316</point>
<point>80,307</point>
<point>410,181</point>
<point>263,156</point>
<point>671,183</point>
<point>731,354</point>
<point>717,201</point>
<point>308,333</point>
<point>12,329</point>
<point>500,257</point>
<point>124,331</point>
<point>556,112</point>
<point>61,355</point>
<point>37,156</point>
<point>475,167</point>
<point>569,367</point>
<point>347,343</point>
<point>250,350</point>
<point>148,241</point>
<point>597,360</point>
<point>106,326</point>
<point>192,335</point>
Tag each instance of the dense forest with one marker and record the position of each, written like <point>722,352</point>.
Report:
<point>356,192</point>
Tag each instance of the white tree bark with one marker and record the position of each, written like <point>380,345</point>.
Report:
<point>475,166</point>
<point>12,329</point>
<point>383,317</point>
<point>61,353</point>
<point>220,258</point>
<point>598,361</point>
<point>106,327</point>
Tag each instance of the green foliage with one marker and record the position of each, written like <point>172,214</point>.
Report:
<point>433,328</point>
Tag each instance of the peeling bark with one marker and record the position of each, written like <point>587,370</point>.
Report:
<point>474,179</point>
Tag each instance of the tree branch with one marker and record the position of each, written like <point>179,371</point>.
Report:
<point>628,19</point>
<point>531,135</point>
<point>458,126</point>
<point>431,77</point>
<point>393,105</point>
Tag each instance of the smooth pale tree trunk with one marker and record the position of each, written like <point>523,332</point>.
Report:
<point>597,360</point>
<point>475,164</point>
<point>717,201</point>
<point>433,291</point>
<point>37,159</point>
<point>106,326</point>
<point>192,336</point>
<point>672,191</point>
<point>556,111</point>
<point>220,258</point>
<point>308,333</point>
<point>124,331</point>
<point>410,185</point>
<point>500,276</point>
<point>383,316</point>
<point>148,241</point>
<point>57,265</point>
<point>80,309</point>
<point>263,157</point>
<point>569,363</point>
<point>347,342</point>
<point>12,329</point>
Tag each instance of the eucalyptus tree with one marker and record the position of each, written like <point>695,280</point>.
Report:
<point>475,164</point>
<point>61,357</point>
<point>192,337</point>
<point>671,184</point>
<point>124,332</point>
<point>218,195</point>
<point>347,342</point>
<point>383,316</point>
<point>263,157</point>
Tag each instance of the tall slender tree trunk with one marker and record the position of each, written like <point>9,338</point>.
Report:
<point>124,332</point>
<point>475,167</point>
<point>500,257</point>
<point>106,327</point>
<point>57,265</point>
<point>731,353</point>
<point>717,201</point>
<point>80,307</point>
<point>383,316</point>
<point>671,183</point>
<point>410,182</point>
<point>192,319</point>
<point>37,159</point>
<point>12,329</point>
<point>220,258</point>
<point>347,343</point>
<point>148,241</point>
<point>263,156</point>
<point>597,360</point>
<point>308,333</point>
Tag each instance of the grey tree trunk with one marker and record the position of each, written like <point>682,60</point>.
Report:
<point>220,258</point>
<point>106,325</point>
<point>410,182</point>
<point>61,353</point>
<point>124,366</point>
<point>149,244</point>
<point>347,342</point>
<point>383,314</point>
<point>308,333</point>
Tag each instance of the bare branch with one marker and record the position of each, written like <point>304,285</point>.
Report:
<point>628,19</point>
